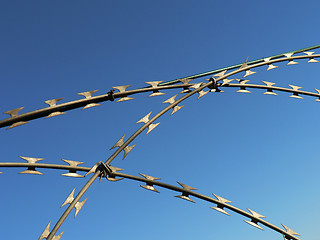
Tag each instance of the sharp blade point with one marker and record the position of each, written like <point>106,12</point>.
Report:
<point>124,99</point>
<point>148,187</point>
<point>254,224</point>
<point>55,114</point>
<point>119,143</point>
<point>220,210</point>
<point>185,198</point>
<point>17,124</point>
<point>90,105</point>
<point>152,126</point>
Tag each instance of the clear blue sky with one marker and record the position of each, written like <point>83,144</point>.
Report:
<point>261,152</point>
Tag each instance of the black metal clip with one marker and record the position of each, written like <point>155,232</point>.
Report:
<point>111,95</point>
<point>105,170</point>
<point>213,85</point>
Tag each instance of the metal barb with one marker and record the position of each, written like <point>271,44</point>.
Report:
<point>31,159</point>
<point>152,126</point>
<point>154,83</point>
<point>254,224</point>
<point>185,195</point>
<point>313,60</point>
<point>269,90</point>
<point>127,149</point>
<point>267,59</point>
<point>186,187</point>
<point>149,186</point>
<point>318,100</point>
<point>145,119</point>
<point>270,67</point>
<point>156,93</point>
<point>72,173</point>
<point>295,95</point>
<point>294,87</point>
<point>90,105</point>
<point>226,81</point>
<point>288,55</point>
<point>87,94</point>
<point>14,112</point>
<point>78,206</point>
<point>69,199</point>
<point>290,231</point>
<point>291,62</point>
<point>221,199</point>
<point>17,124</point>
<point>46,232</point>
<point>248,73</point>
<point>113,170</point>
<point>171,100</point>
<point>185,80</point>
<point>72,163</point>
<point>119,143</point>
<point>93,169</point>
<point>176,108</point>
<point>220,74</point>
<point>309,53</point>
<point>196,85</point>
<point>124,99</point>
<point>202,93</point>
<point>122,89</point>
<point>219,207</point>
<point>58,237</point>
<point>31,170</point>
<point>149,177</point>
<point>255,214</point>
<point>269,84</point>
<point>243,89</point>
<point>55,114</point>
<point>244,64</point>
<point>53,102</point>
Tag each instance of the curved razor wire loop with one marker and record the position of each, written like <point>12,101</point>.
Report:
<point>112,157</point>
<point>19,120</point>
<point>89,101</point>
<point>211,84</point>
<point>237,66</point>
<point>281,89</point>
<point>151,182</point>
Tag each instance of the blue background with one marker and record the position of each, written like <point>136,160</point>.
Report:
<point>259,151</point>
